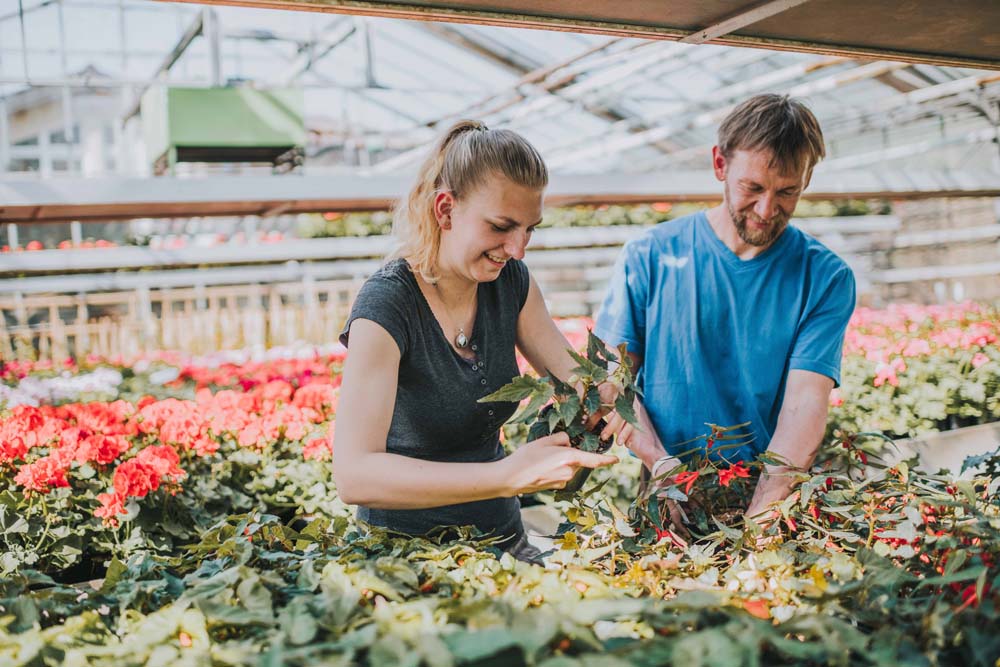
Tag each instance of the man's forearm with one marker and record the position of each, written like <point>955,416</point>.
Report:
<point>797,438</point>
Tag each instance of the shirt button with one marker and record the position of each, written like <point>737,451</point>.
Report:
<point>474,367</point>
<point>483,381</point>
<point>491,413</point>
<point>474,348</point>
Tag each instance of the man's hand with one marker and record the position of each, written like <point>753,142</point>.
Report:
<point>642,441</point>
<point>678,518</point>
<point>609,392</point>
<point>801,424</point>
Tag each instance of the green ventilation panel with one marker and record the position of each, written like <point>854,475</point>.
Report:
<point>223,125</point>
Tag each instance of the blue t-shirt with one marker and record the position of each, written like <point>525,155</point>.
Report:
<point>718,334</point>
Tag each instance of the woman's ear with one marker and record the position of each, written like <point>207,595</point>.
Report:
<point>444,202</point>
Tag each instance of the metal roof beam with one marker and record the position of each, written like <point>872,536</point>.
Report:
<point>62,200</point>
<point>196,28</point>
<point>520,64</point>
<point>513,62</point>
<point>709,117</point>
<point>335,34</point>
<point>742,19</point>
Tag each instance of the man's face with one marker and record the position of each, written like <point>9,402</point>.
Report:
<point>760,197</point>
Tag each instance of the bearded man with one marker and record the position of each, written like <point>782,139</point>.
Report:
<point>731,315</point>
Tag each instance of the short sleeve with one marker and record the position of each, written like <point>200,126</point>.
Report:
<point>520,280</point>
<point>819,342</point>
<point>385,300</point>
<point>622,316</point>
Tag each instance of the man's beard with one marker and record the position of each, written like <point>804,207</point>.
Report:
<point>757,237</point>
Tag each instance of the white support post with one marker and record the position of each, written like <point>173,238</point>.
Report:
<point>4,137</point>
<point>211,30</point>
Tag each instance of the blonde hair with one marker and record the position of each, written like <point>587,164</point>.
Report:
<point>465,156</point>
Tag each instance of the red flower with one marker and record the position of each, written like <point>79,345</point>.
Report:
<point>163,459</point>
<point>686,478</point>
<point>726,475</point>
<point>135,478</point>
<point>101,448</point>
<point>112,505</point>
<point>26,428</point>
<point>43,475</point>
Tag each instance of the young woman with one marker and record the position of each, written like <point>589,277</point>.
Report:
<point>433,331</point>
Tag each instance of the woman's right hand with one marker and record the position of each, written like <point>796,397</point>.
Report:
<point>548,463</point>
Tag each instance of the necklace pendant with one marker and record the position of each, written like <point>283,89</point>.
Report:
<point>460,340</point>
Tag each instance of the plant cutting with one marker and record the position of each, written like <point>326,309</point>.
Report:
<point>555,406</point>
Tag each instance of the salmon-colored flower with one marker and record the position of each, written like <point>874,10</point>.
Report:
<point>43,475</point>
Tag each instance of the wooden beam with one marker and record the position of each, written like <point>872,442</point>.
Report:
<point>830,29</point>
<point>741,19</point>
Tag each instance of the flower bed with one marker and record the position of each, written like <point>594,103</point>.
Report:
<point>204,507</point>
<point>910,370</point>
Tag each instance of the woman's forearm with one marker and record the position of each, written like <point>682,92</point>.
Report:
<point>391,481</point>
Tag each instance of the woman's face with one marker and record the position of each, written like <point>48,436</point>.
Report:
<point>487,227</point>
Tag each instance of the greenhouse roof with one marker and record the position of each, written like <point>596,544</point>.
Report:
<point>377,90</point>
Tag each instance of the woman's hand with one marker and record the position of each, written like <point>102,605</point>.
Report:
<point>548,463</point>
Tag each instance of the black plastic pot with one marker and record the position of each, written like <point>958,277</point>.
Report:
<point>583,474</point>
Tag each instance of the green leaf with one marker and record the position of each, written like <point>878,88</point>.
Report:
<point>539,429</point>
<point>623,405</point>
<point>298,622</point>
<point>518,389</point>
<point>535,404</point>
<point>569,409</point>
<point>653,509</point>
<point>561,388</point>
<point>597,351</point>
<point>587,369</point>
<point>967,574</point>
<point>590,442</point>
<point>592,400</point>
<point>976,461</point>
<point>552,419</point>
<point>115,571</point>
<point>473,645</point>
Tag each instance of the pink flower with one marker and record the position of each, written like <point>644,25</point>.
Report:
<point>979,359</point>
<point>836,400</point>
<point>251,436</point>
<point>319,448</point>
<point>320,397</point>
<point>887,372</point>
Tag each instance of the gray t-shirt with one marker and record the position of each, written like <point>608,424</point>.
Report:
<point>436,416</point>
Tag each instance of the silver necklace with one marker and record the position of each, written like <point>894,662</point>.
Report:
<point>461,340</point>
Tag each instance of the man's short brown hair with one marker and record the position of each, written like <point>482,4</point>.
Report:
<point>776,123</point>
